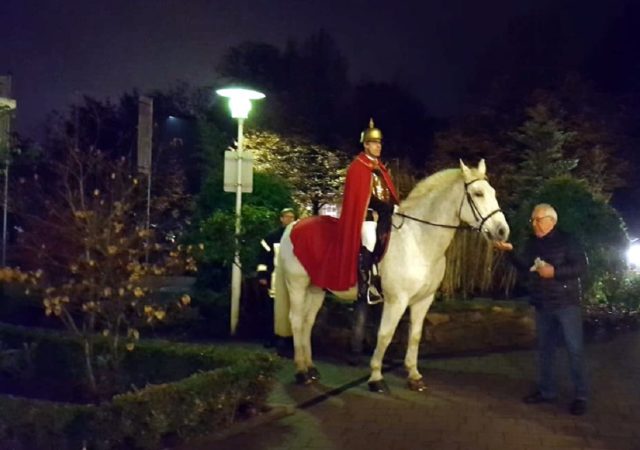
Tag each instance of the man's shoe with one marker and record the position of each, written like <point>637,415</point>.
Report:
<point>357,359</point>
<point>578,407</point>
<point>537,397</point>
<point>270,342</point>
<point>284,347</point>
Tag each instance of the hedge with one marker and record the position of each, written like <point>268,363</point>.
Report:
<point>179,391</point>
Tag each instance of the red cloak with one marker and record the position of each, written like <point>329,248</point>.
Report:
<point>328,247</point>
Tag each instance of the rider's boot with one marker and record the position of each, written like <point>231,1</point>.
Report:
<point>376,282</point>
<point>366,291</point>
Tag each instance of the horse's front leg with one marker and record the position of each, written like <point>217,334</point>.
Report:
<point>418,312</point>
<point>391,314</point>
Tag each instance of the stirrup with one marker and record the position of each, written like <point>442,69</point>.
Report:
<point>373,290</point>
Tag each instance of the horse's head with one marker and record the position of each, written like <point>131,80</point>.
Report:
<point>480,207</point>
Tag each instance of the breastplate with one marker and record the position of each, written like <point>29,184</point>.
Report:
<point>379,188</point>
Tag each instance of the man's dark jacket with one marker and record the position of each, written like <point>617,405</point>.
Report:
<point>567,257</point>
<point>266,257</point>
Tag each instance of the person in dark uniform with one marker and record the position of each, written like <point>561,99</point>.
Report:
<point>268,248</point>
<point>266,266</point>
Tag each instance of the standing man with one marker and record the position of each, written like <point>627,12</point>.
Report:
<point>556,263</point>
<point>266,266</point>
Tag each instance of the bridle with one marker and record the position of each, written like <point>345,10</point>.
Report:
<point>472,205</point>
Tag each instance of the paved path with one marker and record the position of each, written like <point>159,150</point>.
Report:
<point>472,403</point>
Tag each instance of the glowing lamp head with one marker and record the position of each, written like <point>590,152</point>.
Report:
<point>240,100</point>
<point>7,103</point>
<point>633,255</point>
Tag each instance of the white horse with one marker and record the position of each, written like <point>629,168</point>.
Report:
<point>411,270</point>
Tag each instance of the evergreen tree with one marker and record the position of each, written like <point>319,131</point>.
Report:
<point>540,141</point>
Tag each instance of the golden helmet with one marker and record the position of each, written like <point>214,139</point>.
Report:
<point>371,134</point>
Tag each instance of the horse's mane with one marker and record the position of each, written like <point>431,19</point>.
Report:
<point>433,183</point>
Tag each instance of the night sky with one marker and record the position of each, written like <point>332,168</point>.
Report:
<point>57,49</point>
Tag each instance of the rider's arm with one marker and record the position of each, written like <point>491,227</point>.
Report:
<point>382,208</point>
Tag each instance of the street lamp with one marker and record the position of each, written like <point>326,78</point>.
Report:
<point>240,105</point>
<point>7,103</point>
<point>633,255</point>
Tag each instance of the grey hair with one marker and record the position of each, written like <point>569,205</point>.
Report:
<point>549,209</point>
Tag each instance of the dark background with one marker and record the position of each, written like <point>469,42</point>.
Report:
<point>447,53</point>
<point>59,48</point>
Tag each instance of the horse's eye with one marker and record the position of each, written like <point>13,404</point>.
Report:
<point>478,194</point>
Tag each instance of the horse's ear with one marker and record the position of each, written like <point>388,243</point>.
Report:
<point>482,167</point>
<point>465,170</point>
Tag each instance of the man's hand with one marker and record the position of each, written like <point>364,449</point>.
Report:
<point>546,271</point>
<point>503,246</point>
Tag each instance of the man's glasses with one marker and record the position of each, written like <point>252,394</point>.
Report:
<point>538,219</point>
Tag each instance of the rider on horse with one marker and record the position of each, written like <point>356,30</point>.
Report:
<point>369,201</point>
<point>339,253</point>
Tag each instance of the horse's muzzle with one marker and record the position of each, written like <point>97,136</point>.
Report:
<point>498,233</point>
<point>502,233</point>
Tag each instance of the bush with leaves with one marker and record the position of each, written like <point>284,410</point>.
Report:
<point>620,289</point>
<point>86,237</point>
<point>269,191</point>
<point>217,233</point>
<point>215,219</point>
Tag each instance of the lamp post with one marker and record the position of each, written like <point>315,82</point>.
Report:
<point>6,104</point>
<point>240,105</point>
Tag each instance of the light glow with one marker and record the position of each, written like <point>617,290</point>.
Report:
<point>633,255</point>
<point>7,103</point>
<point>240,100</point>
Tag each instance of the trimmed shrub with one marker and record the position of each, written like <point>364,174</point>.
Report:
<point>175,391</point>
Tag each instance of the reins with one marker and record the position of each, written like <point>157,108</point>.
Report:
<point>426,222</point>
<point>474,210</point>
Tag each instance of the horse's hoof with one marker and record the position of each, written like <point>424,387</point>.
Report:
<point>313,373</point>
<point>303,378</point>
<point>417,385</point>
<point>378,386</point>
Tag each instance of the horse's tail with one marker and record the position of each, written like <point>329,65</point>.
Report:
<point>281,322</point>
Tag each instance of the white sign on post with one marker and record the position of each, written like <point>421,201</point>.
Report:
<point>145,133</point>
<point>231,171</point>
<point>6,105</point>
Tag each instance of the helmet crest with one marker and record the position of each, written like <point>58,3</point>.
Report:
<point>371,134</point>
